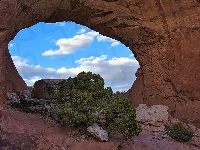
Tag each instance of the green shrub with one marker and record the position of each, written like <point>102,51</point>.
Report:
<point>85,101</point>
<point>178,132</point>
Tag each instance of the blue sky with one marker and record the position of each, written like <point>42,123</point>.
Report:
<point>63,49</point>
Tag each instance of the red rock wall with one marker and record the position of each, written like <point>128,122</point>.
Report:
<point>10,80</point>
<point>163,34</point>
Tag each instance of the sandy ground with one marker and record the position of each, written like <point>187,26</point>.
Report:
<point>29,131</point>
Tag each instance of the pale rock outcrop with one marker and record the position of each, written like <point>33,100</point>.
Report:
<point>153,114</point>
<point>98,132</point>
<point>152,118</point>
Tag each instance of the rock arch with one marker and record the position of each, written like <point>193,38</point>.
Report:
<point>162,34</point>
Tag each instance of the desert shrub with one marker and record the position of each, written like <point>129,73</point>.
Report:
<point>121,117</point>
<point>85,101</point>
<point>178,132</point>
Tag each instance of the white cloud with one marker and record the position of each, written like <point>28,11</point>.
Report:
<point>19,61</point>
<point>115,43</point>
<point>10,45</point>
<point>31,81</point>
<point>102,38</point>
<point>119,73</point>
<point>71,45</point>
<point>80,41</point>
<point>29,71</point>
<point>81,31</point>
<point>61,24</point>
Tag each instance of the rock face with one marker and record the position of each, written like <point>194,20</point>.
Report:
<point>162,34</point>
<point>45,88</point>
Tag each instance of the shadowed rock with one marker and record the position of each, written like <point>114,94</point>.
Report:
<point>45,88</point>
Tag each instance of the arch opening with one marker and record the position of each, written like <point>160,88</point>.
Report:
<point>63,49</point>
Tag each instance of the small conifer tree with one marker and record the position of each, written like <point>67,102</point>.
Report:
<point>85,101</point>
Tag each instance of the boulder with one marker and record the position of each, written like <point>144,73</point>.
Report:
<point>45,88</point>
<point>25,94</point>
<point>98,132</point>
<point>12,96</point>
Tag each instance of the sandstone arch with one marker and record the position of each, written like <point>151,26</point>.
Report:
<point>163,35</point>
